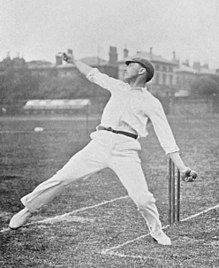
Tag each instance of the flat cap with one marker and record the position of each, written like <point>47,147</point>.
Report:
<point>144,63</point>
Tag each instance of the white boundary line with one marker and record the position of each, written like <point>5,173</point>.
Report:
<point>200,213</point>
<point>48,118</point>
<point>33,132</point>
<point>53,219</point>
<point>109,250</point>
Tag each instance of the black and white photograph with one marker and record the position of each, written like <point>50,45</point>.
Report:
<point>109,133</point>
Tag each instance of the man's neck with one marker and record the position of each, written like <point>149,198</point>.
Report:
<point>137,84</point>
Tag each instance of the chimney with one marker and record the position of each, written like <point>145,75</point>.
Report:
<point>58,60</point>
<point>125,53</point>
<point>70,51</point>
<point>197,65</point>
<point>174,56</point>
<point>205,66</point>
<point>113,56</point>
<point>8,56</point>
<point>151,53</point>
<point>186,63</point>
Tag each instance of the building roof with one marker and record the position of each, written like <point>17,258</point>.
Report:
<point>185,69</point>
<point>207,71</point>
<point>65,65</point>
<point>94,61</point>
<point>188,69</point>
<point>152,57</point>
<point>39,64</point>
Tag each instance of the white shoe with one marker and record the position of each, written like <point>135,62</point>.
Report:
<point>19,219</point>
<point>161,238</point>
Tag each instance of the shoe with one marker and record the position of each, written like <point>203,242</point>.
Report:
<point>19,219</point>
<point>161,238</point>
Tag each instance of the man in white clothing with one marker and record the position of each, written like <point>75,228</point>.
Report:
<point>115,144</point>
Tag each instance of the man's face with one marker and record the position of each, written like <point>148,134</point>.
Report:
<point>132,71</point>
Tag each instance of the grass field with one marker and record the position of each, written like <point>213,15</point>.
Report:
<point>93,223</point>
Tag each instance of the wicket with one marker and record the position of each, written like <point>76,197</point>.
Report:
<point>174,193</point>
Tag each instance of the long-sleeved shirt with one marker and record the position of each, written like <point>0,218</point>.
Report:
<point>129,109</point>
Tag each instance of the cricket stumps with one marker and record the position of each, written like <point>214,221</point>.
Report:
<point>174,193</point>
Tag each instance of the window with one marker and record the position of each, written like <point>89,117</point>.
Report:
<point>177,80</point>
<point>171,79</point>
<point>157,67</point>
<point>157,78</point>
<point>164,79</point>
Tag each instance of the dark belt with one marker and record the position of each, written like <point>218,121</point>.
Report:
<point>134,136</point>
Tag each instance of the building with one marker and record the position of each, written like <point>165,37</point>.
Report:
<point>171,76</point>
<point>185,76</point>
<point>42,68</point>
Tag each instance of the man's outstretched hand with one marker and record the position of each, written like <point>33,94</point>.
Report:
<point>67,57</point>
<point>189,175</point>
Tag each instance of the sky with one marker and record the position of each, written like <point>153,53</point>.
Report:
<point>39,29</point>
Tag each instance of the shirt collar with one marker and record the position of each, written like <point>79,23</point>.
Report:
<point>140,88</point>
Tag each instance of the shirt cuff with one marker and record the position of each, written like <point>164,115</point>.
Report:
<point>169,150</point>
<point>92,73</point>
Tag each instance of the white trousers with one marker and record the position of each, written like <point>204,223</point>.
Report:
<point>106,149</point>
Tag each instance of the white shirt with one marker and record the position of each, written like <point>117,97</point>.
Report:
<point>129,109</point>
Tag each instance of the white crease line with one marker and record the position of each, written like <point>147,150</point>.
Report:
<point>133,256</point>
<point>200,213</point>
<point>108,251</point>
<point>80,209</point>
<point>53,219</point>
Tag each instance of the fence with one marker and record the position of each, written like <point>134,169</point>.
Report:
<point>187,106</point>
<point>182,106</point>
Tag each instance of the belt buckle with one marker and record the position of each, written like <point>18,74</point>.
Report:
<point>110,129</point>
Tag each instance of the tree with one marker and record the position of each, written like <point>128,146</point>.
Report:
<point>69,87</point>
<point>205,86</point>
<point>16,86</point>
<point>19,84</point>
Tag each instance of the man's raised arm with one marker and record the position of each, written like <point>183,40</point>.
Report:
<point>101,79</point>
